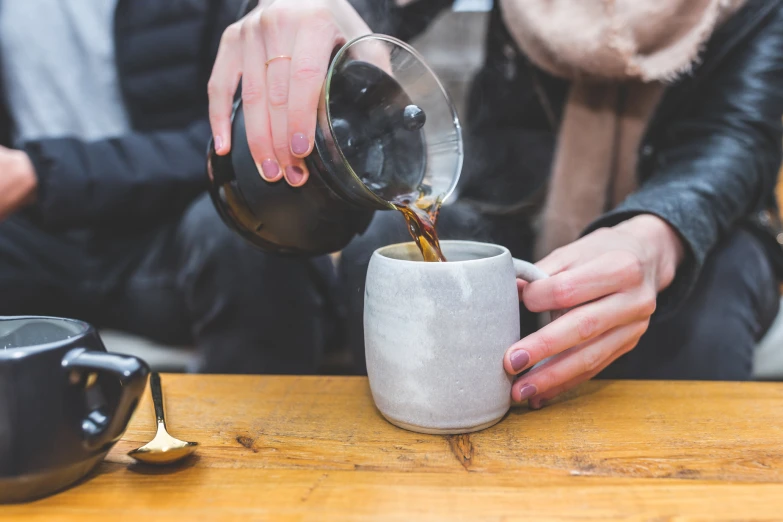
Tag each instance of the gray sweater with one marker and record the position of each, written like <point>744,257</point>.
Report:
<point>58,69</point>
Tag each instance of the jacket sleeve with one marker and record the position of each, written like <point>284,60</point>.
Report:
<point>140,177</point>
<point>719,161</point>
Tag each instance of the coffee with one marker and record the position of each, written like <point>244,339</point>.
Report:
<point>421,215</point>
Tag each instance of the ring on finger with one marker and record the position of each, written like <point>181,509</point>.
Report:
<point>281,57</point>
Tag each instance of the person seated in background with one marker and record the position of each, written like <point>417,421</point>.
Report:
<point>103,211</point>
<point>630,147</point>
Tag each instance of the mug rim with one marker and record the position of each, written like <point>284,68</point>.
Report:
<point>19,352</point>
<point>500,252</point>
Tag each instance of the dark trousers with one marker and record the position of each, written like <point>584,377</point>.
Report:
<point>188,281</point>
<point>711,337</point>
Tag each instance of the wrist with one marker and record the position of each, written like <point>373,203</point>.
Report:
<point>25,177</point>
<point>664,244</point>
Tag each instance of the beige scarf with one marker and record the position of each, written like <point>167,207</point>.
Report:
<point>619,54</point>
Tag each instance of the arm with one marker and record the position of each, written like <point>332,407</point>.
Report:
<point>718,164</point>
<point>141,177</point>
<point>721,163</point>
<point>138,177</point>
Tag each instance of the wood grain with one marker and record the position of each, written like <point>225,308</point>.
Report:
<point>315,448</point>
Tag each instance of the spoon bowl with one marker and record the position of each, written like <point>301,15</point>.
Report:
<point>163,448</point>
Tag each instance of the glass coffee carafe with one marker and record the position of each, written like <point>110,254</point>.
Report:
<point>387,134</point>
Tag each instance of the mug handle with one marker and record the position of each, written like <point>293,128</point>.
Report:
<point>530,272</point>
<point>98,429</point>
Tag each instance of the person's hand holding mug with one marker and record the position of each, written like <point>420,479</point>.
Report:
<point>608,283</point>
<point>281,51</point>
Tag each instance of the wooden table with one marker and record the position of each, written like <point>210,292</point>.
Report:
<point>288,448</point>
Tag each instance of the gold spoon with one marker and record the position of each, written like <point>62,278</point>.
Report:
<point>163,449</point>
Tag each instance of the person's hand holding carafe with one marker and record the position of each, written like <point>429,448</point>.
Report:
<point>608,283</point>
<point>281,51</point>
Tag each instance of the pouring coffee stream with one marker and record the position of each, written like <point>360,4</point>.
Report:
<point>387,138</point>
<point>421,225</point>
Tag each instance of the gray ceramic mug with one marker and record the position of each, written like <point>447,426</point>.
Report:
<point>435,334</point>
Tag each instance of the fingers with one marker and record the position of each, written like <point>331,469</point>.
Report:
<point>584,248</point>
<point>255,100</point>
<point>278,78</point>
<point>281,51</point>
<point>559,260</point>
<point>578,364</point>
<point>521,284</point>
<point>605,275</point>
<point>577,327</point>
<point>375,52</point>
<point>537,401</point>
<point>280,30</point>
<point>352,22</point>
<point>308,71</point>
<point>222,85</point>
<point>371,51</point>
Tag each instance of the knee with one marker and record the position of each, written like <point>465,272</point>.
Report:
<point>740,273</point>
<point>202,229</point>
<point>207,243</point>
<point>715,332</point>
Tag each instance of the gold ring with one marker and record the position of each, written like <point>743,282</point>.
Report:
<point>281,57</point>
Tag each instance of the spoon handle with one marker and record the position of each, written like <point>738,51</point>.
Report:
<point>157,397</point>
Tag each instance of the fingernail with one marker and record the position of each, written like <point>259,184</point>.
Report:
<point>527,391</point>
<point>270,169</point>
<point>218,143</point>
<point>519,360</point>
<point>299,144</point>
<point>294,174</point>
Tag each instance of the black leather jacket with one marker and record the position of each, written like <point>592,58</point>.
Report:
<point>709,161</point>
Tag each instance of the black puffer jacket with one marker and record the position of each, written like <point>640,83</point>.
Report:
<point>708,163</point>
<point>164,56</point>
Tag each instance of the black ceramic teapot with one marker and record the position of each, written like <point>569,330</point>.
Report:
<point>386,130</point>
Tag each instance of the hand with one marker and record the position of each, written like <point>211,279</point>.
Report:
<point>18,181</point>
<point>280,100</point>
<point>607,282</point>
